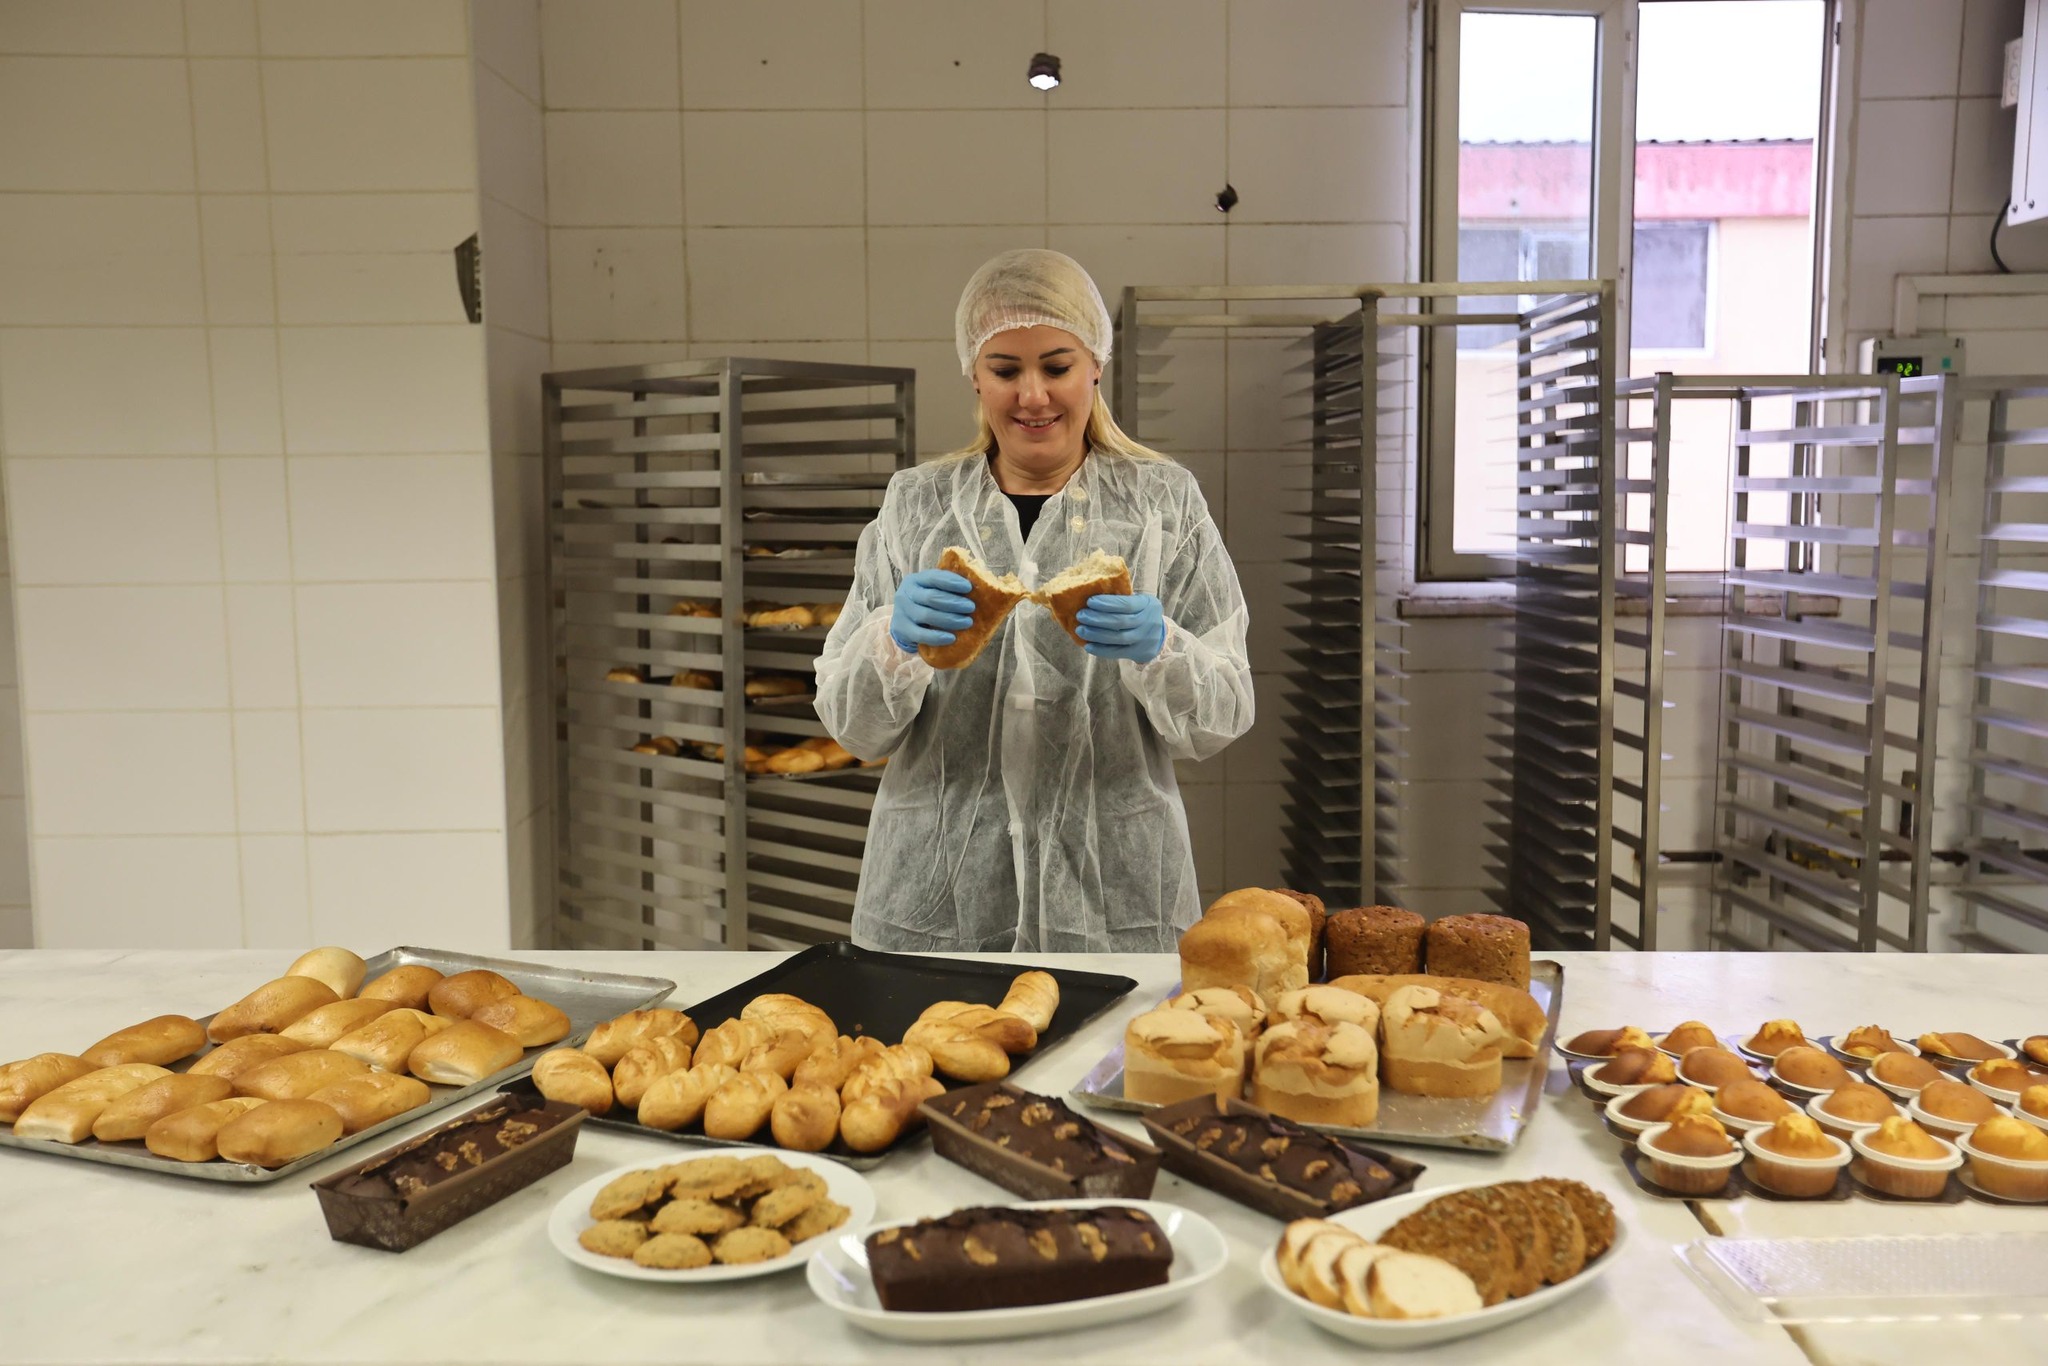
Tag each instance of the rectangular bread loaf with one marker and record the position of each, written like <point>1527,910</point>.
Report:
<point>996,1258</point>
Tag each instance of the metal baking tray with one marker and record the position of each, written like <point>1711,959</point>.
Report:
<point>867,991</point>
<point>1488,1124</point>
<point>589,999</point>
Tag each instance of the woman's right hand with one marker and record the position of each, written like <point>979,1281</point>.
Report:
<point>931,607</point>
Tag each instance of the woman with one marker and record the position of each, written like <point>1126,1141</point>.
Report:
<point>1030,800</point>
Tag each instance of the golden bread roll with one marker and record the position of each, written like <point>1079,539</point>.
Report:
<point>22,1082</point>
<point>781,1010</point>
<point>193,1135</point>
<point>464,1054</point>
<point>330,1022</point>
<point>407,986</point>
<point>162,1041</point>
<point>237,1056</point>
<point>459,997</point>
<point>1318,1074</point>
<point>610,1040</point>
<point>830,1064</point>
<point>994,598</point>
<point>573,1077</point>
<point>130,1117</point>
<point>897,1062</point>
<point>795,760</point>
<point>1175,1055</point>
<point>959,1052</point>
<point>731,1043</point>
<point>1067,592</point>
<point>269,1008</point>
<point>805,1118</point>
<point>737,1110</point>
<point>387,1041</point>
<point>340,969</point>
<point>643,1065</point>
<point>677,1099</point>
<point>1033,997</point>
<point>280,1132</point>
<point>67,1113</point>
<point>1011,1033</point>
<point>1440,1045</point>
<point>372,1098</point>
<point>535,1023</point>
<point>885,1113</point>
<point>296,1076</point>
<point>788,1041</point>
<point>1516,1009</point>
<point>1241,949</point>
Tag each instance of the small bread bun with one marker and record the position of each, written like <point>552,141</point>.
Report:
<point>237,1056</point>
<point>534,1023</point>
<point>460,996</point>
<point>22,1082</point>
<point>574,1077</point>
<point>340,969</point>
<point>162,1041</point>
<point>407,986</point>
<point>272,1006</point>
<point>279,1133</point>
<point>131,1116</point>
<point>330,1022</point>
<point>192,1135</point>
<point>387,1041</point>
<point>296,1076</point>
<point>463,1054</point>
<point>372,1098</point>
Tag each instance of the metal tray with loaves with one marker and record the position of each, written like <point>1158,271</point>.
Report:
<point>1483,1123</point>
<point>588,998</point>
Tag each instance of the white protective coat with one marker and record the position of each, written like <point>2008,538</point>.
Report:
<point>1030,800</point>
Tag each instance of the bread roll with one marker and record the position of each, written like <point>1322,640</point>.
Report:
<point>340,969</point>
<point>830,1064</point>
<point>372,1098</point>
<point>464,1054</point>
<point>533,1022</point>
<point>610,1040</point>
<point>1174,1055</point>
<point>994,598</point>
<point>1066,593</point>
<point>67,1113</point>
<point>404,986</point>
<point>296,1076</point>
<point>1514,1008</point>
<point>1440,1045</point>
<point>959,1052</point>
<point>678,1099</point>
<point>237,1056</point>
<point>884,1114</point>
<point>729,1044</point>
<point>22,1082</point>
<point>278,1133</point>
<point>458,997</point>
<point>1011,1033</point>
<point>644,1064</point>
<point>1241,949</point>
<point>130,1117</point>
<point>805,1119</point>
<point>330,1022</point>
<point>1033,997</point>
<point>162,1041</point>
<point>193,1135</point>
<point>738,1109</point>
<point>574,1077</point>
<point>784,1013</point>
<point>387,1041</point>
<point>269,1008</point>
<point>1317,1074</point>
<point>897,1062</point>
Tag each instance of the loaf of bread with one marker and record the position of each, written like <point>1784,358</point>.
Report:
<point>994,598</point>
<point>1440,1045</point>
<point>162,1041</point>
<point>737,1110</point>
<point>1248,950</point>
<point>322,1027</point>
<point>643,1065</point>
<point>279,1132</point>
<point>130,1117</point>
<point>1173,1055</point>
<point>677,1100</point>
<point>534,1023</point>
<point>458,997</point>
<point>372,1098</point>
<point>23,1082</point>
<point>959,1052</point>
<point>387,1041</point>
<point>575,1078</point>
<point>1292,915</point>
<point>1314,1073</point>
<point>897,1062</point>
<point>805,1118</point>
<point>463,1054</point>
<point>296,1076</point>
<point>610,1040</point>
<point>1033,997</point>
<point>1318,917</point>
<point>341,970</point>
<point>1378,940</point>
<point>885,1113</point>
<point>830,1064</point>
<point>67,1113</point>
<point>407,986</point>
<point>271,1007</point>
<point>1484,948</point>
<point>193,1135</point>
<point>237,1056</point>
<point>1517,1010</point>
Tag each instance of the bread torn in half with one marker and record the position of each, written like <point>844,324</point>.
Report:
<point>1066,593</point>
<point>993,598</point>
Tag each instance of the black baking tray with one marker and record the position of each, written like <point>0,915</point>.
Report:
<point>868,991</point>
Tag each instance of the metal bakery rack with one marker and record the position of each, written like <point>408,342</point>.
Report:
<point>702,520</point>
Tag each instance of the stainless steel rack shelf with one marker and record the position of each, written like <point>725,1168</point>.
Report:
<point>684,499</point>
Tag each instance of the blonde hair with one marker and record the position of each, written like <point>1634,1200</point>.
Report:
<point>1103,435</point>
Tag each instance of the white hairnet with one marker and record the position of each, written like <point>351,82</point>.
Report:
<point>1030,287</point>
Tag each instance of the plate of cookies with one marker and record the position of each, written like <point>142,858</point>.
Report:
<point>726,1215</point>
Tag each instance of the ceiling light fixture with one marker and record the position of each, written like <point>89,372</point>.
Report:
<point>1044,72</point>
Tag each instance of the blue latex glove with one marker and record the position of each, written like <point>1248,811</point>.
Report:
<point>931,605</point>
<point>1129,627</point>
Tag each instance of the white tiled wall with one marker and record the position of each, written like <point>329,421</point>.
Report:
<point>248,477</point>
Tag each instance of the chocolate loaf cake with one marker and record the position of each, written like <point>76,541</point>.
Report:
<point>996,1258</point>
<point>1273,1164</point>
<point>1036,1146</point>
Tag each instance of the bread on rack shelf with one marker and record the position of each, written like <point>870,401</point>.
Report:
<point>764,686</point>
<point>776,616</point>
<point>690,607</point>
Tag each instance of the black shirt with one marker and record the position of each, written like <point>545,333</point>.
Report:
<point>1028,506</point>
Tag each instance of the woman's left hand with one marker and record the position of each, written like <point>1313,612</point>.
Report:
<point>1129,626</point>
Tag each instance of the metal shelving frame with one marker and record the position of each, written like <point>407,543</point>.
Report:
<point>724,481</point>
<point>2006,812</point>
<point>1831,648</point>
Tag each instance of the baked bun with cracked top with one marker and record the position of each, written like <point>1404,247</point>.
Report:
<point>1440,1045</point>
<point>1318,1074</point>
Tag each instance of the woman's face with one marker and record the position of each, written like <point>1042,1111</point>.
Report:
<point>1037,386</point>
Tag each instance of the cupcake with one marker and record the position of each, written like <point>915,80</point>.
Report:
<point>1810,1070</point>
<point>1960,1047</point>
<point>2004,1078</point>
<point>1793,1157</point>
<point>1605,1043</point>
<point>1903,1074</point>
<point>2033,1104</point>
<point>1713,1068</point>
<point>1690,1156</point>
<point>1948,1107</point>
<point>2036,1048</point>
<point>1775,1037</point>
<point>1631,1067</point>
<point>2008,1158</point>
<point>1749,1104</point>
<point>1653,1105</point>
<point>1850,1109</point>
<point>1688,1036</point>
<point>1900,1158</point>
<point>1867,1041</point>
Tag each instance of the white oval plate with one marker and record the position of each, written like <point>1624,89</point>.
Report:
<point>572,1216</point>
<point>838,1275</point>
<point>1371,1220</point>
<point>1827,1041</point>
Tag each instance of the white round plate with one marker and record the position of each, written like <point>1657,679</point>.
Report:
<point>572,1216</point>
<point>838,1275</point>
<point>1827,1041</point>
<point>1577,1056</point>
<point>1371,1220</point>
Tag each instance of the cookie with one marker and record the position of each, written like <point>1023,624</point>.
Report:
<point>1465,1237</point>
<point>763,1173</point>
<point>707,1178</point>
<point>1526,1237</point>
<point>624,1195</point>
<point>673,1252</point>
<point>1596,1216</point>
<point>1560,1226</point>
<point>820,1218</point>
<point>701,1217</point>
<point>750,1245</point>
<point>613,1237</point>
<point>783,1204</point>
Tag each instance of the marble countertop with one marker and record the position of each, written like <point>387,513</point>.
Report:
<point>103,1264</point>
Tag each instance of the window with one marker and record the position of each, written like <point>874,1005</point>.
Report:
<point>1666,144</point>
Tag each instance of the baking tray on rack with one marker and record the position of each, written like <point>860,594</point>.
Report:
<point>867,991</point>
<point>588,998</point>
<point>1491,1124</point>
